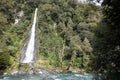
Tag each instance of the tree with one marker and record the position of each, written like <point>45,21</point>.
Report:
<point>107,42</point>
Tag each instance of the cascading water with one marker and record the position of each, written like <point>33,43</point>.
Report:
<point>28,50</point>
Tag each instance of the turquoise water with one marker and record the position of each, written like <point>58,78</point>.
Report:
<point>57,76</point>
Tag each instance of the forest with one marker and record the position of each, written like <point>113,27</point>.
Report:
<point>71,35</point>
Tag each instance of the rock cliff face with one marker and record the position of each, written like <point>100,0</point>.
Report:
<point>20,14</point>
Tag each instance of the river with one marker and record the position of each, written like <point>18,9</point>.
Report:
<point>55,76</point>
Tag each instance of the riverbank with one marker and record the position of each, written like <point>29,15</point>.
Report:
<point>41,66</point>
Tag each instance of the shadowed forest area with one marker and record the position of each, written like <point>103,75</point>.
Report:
<point>71,35</point>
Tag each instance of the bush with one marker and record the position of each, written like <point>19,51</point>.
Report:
<point>5,61</point>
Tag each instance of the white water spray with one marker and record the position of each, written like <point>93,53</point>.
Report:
<point>28,49</point>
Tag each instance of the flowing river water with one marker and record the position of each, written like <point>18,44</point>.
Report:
<point>55,76</point>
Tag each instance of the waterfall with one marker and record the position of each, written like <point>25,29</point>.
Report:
<point>28,50</point>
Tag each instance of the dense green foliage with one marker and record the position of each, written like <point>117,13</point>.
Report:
<point>66,32</point>
<point>6,17</point>
<point>65,29</point>
<point>107,42</point>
